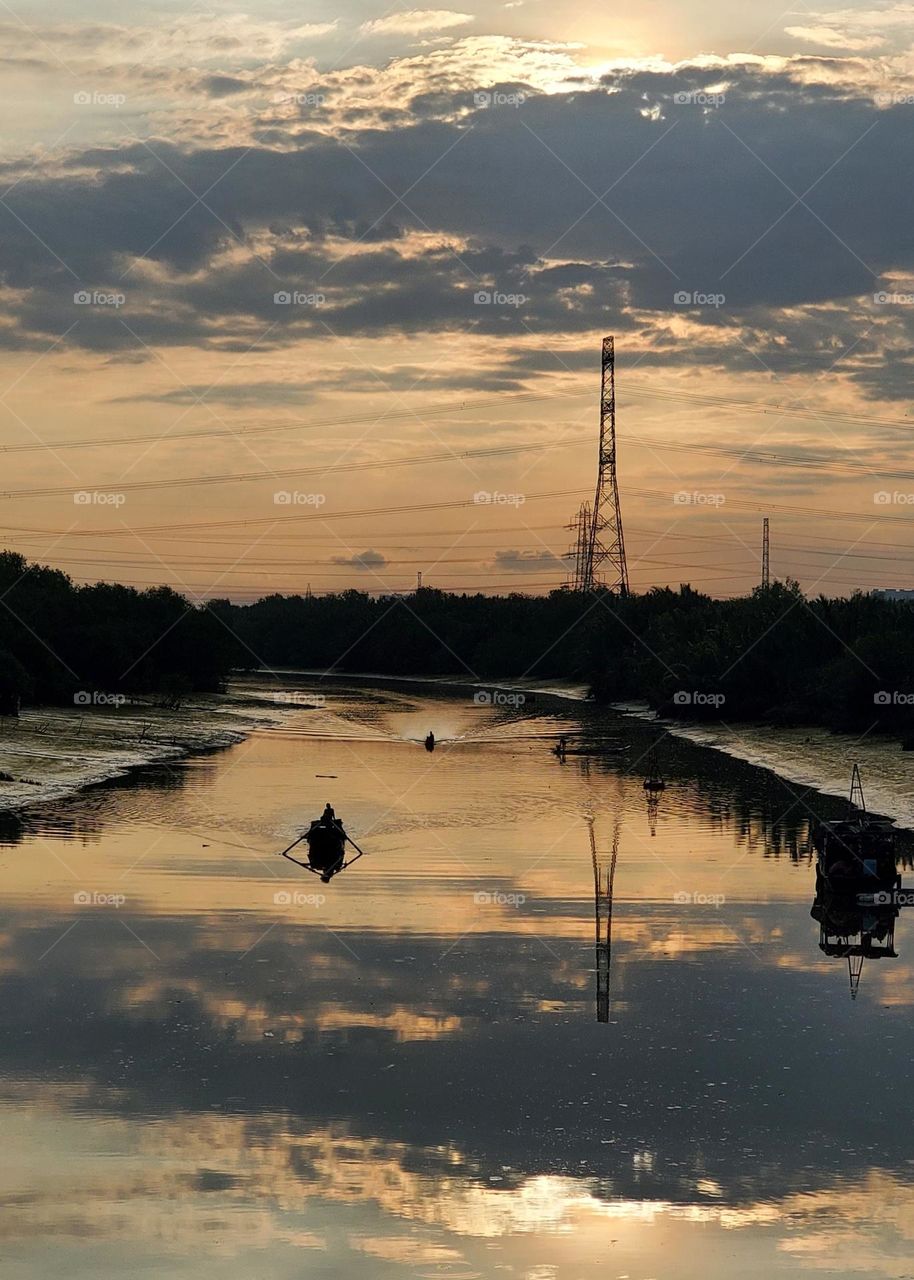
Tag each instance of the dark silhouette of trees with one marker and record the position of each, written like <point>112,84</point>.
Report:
<point>773,655</point>
<point>58,639</point>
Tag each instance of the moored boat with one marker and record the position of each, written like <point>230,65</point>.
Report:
<point>855,854</point>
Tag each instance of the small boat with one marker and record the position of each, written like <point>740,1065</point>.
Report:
<point>855,854</point>
<point>654,780</point>
<point>430,741</point>
<point>326,841</point>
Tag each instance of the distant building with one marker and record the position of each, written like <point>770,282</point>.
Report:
<point>893,593</point>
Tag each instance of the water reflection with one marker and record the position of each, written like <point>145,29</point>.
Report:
<point>604,875</point>
<point>855,932</point>
<point>407,1078</point>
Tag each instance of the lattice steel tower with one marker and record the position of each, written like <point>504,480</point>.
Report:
<point>580,527</point>
<point>766,555</point>
<point>604,875</point>
<point>605,545</point>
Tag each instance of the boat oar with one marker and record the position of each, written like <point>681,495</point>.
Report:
<point>360,852</point>
<point>290,847</point>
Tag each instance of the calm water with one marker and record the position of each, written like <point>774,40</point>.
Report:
<point>219,1067</point>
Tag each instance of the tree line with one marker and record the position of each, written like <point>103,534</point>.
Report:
<point>60,642</point>
<point>774,655</point>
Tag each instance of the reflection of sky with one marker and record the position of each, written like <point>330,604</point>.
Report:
<point>404,1078</point>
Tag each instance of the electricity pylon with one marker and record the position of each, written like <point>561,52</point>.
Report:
<point>605,543</point>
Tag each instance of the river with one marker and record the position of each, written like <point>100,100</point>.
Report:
<point>457,1059</point>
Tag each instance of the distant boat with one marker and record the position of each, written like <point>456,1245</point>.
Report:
<point>430,741</point>
<point>654,780</point>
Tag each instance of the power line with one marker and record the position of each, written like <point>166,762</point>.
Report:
<point>182,482</point>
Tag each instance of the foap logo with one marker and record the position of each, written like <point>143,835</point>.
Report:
<point>686,698</point>
<point>299,99</point>
<point>493,298</point>
<point>485,98</point>
<point>92,898</point>
<point>698,98</point>
<point>295,498</point>
<point>686,899</point>
<point>883,298</point>
<point>299,698</point>
<point>688,298</point>
<point>894,499</point>
<point>698,498</point>
<point>492,898</point>
<point>99,698</point>
<point>499,698</point>
<point>295,298</point>
<point>890,898</point>
<point>886,98</point>
<point>99,298</point>
<point>284,898</point>
<point>893,698</point>
<point>494,498</point>
<point>93,498</point>
<point>93,98</point>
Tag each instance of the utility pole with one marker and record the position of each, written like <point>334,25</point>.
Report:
<point>605,543</point>
<point>766,556</point>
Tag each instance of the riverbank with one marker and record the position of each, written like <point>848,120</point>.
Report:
<point>51,752</point>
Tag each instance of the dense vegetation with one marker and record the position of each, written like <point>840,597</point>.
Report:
<point>846,663</point>
<point>772,655</point>
<point>60,642</point>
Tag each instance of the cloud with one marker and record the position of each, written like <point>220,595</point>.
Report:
<point>416,21</point>
<point>497,222</point>
<point>528,561</point>
<point>187,39</point>
<point>857,29</point>
<point>363,560</point>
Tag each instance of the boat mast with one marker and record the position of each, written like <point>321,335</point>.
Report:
<point>856,796</point>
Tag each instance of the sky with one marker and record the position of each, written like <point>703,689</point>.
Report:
<point>313,296</point>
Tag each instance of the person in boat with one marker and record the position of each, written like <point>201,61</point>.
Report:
<point>430,741</point>
<point>326,839</point>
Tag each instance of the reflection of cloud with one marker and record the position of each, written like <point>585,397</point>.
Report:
<point>219,1184</point>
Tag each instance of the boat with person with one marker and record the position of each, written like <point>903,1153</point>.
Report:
<point>326,839</point>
